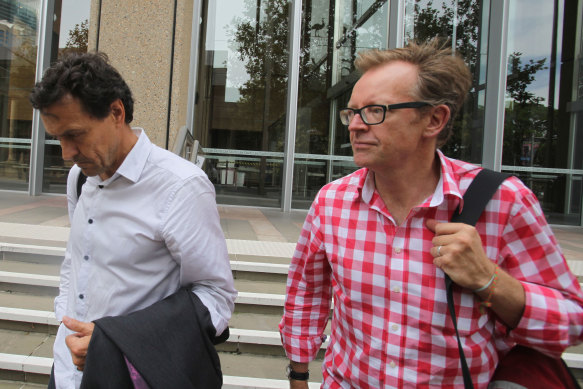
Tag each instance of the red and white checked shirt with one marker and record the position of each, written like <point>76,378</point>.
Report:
<point>390,326</point>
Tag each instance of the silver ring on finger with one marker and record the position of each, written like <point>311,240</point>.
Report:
<point>439,251</point>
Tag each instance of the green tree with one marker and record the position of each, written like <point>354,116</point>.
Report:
<point>430,22</point>
<point>526,120</point>
<point>78,38</point>
<point>260,42</point>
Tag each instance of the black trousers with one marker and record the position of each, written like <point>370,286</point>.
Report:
<point>52,384</point>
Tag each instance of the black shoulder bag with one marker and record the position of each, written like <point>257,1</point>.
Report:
<point>80,181</point>
<point>522,365</point>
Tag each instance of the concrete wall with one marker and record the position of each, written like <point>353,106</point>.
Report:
<point>137,37</point>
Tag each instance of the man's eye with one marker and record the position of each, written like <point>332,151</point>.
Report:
<point>73,135</point>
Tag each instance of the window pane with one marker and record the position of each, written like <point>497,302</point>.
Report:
<point>71,29</point>
<point>465,23</point>
<point>240,111</point>
<point>361,25</point>
<point>540,130</point>
<point>18,39</point>
<point>335,31</point>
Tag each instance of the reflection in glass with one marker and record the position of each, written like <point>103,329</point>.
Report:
<point>241,98</point>
<point>18,37</point>
<point>70,35</point>
<point>361,25</point>
<point>464,23</point>
<point>335,31</point>
<point>540,85</point>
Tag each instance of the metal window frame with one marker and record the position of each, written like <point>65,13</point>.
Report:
<point>194,58</point>
<point>497,63</point>
<point>292,103</point>
<point>37,148</point>
<point>396,24</point>
<point>576,114</point>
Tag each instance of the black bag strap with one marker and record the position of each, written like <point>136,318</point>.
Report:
<point>481,190</point>
<point>80,181</point>
<point>478,195</point>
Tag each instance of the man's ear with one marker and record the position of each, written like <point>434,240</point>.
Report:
<point>438,118</point>
<point>118,111</point>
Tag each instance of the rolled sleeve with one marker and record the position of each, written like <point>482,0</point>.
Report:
<point>550,322</point>
<point>552,318</point>
<point>308,294</point>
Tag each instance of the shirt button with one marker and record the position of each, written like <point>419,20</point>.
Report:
<point>392,364</point>
<point>90,221</point>
<point>81,296</point>
<point>398,250</point>
<point>395,327</point>
<point>86,257</point>
<point>396,289</point>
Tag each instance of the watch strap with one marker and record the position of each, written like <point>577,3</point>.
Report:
<point>294,375</point>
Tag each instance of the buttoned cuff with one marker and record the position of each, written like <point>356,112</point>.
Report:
<point>301,349</point>
<point>545,320</point>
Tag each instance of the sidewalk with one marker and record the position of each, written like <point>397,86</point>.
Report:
<point>244,223</point>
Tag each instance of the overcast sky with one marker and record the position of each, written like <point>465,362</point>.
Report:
<point>72,12</point>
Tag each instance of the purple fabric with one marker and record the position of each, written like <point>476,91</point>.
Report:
<point>136,377</point>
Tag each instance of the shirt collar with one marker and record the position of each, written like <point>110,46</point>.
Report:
<point>132,166</point>
<point>447,185</point>
<point>367,186</point>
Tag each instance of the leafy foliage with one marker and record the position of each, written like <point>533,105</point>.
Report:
<point>78,38</point>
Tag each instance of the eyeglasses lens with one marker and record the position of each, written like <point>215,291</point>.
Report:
<point>346,116</point>
<point>373,114</point>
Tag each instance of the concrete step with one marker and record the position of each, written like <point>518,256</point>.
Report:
<point>266,371</point>
<point>240,250</point>
<point>266,265</point>
<point>20,385</point>
<point>254,335</point>
<point>31,353</point>
<point>256,349</point>
<point>252,332</point>
<point>36,370</point>
<point>251,358</point>
<point>42,285</point>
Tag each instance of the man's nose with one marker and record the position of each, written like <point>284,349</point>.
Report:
<point>357,123</point>
<point>68,149</point>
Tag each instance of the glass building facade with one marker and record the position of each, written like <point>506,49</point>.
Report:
<point>268,79</point>
<point>29,40</point>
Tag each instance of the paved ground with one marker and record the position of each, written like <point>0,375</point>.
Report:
<point>246,223</point>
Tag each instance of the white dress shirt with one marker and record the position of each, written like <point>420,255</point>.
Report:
<point>135,239</point>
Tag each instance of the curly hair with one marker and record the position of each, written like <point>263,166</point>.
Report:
<point>443,76</point>
<point>87,77</point>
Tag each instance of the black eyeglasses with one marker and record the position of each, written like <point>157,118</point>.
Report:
<point>375,113</point>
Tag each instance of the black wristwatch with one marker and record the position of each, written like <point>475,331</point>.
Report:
<point>294,375</point>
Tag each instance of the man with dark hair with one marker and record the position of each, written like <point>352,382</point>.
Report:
<point>145,225</point>
<point>379,242</point>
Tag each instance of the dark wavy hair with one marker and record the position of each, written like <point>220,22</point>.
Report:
<point>88,77</point>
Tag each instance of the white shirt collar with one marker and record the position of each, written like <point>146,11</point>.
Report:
<point>133,165</point>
